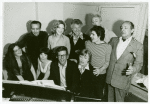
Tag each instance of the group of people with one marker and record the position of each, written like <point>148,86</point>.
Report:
<point>82,63</point>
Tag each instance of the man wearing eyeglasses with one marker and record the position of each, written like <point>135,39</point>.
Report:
<point>64,72</point>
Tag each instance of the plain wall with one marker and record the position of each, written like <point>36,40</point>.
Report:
<point>17,17</point>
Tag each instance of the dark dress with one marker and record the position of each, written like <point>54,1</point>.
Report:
<point>13,69</point>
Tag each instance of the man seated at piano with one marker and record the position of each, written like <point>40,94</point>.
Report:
<point>64,72</point>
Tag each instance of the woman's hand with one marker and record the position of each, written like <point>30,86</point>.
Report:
<point>96,71</point>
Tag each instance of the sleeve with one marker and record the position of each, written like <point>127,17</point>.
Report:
<point>107,58</point>
<point>68,44</point>
<point>46,39</point>
<point>139,59</point>
<point>22,41</point>
<point>15,71</point>
<point>76,78</point>
<point>48,42</point>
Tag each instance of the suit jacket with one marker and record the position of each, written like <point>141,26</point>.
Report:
<point>72,75</point>
<point>78,46</point>
<point>114,72</point>
<point>87,85</point>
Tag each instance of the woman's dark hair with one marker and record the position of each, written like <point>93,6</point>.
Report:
<point>10,57</point>
<point>84,52</point>
<point>45,50</point>
<point>99,31</point>
<point>11,64</point>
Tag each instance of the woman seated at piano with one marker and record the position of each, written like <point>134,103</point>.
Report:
<point>87,79</point>
<point>17,64</point>
<point>43,71</point>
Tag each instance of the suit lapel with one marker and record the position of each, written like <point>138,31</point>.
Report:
<point>67,71</point>
<point>57,73</point>
<point>115,48</point>
<point>78,42</point>
<point>128,49</point>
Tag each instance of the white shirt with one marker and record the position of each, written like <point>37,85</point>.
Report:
<point>122,46</point>
<point>81,69</point>
<point>62,70</point>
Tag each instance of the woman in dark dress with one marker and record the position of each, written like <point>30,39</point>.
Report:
<point>18,65</point>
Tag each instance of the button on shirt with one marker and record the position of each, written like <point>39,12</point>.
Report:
<point>81,69</point>
<point>122,45</point>
<point>62,70</point>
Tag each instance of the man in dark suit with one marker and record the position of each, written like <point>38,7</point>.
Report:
<point>33,41</point>
<point>126,59</point>
<point>77,39</point>
<point>64,72</point>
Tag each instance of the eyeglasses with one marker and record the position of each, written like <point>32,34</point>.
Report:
<point>61,55</point>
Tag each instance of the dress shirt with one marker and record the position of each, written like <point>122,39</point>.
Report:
<point>82,69</point>
<point>122,45</point>
<point>75,39</point>
<point>62,70</point>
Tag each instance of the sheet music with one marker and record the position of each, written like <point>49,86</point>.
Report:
<point>40,83</point>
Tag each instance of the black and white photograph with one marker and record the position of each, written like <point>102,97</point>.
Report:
<point>74,51</point>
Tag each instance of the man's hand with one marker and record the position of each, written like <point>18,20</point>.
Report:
<point>130,70</point>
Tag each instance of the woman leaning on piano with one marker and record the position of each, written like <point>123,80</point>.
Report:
<point>17,65</point>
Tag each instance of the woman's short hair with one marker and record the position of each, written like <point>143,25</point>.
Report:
<point>44,50</point>
<point>56,25</point>
<point>100,31</point>
<point>85,52</point>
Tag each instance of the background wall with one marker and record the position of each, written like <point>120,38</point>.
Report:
<point>17,17</point>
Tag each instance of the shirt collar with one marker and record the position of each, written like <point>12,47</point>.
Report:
<point>129,39</point>
<point>81,35</point>
<point>61,65</point>
<point>86,67</point>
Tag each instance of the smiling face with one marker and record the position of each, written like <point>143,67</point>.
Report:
<point>62,57</point>
<point>35,28</point>
<point>84,60</point>
<point>76,28</point>
<point>60,29</point>
<point>126,30</point>
<point>17,51</point>
<point>94,37</point>
<point>43,56</point>
<point>96,21</point>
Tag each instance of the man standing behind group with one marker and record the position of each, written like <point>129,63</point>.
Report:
<point>77,39</point>
<point>126,60</point>
<point>97,20</point>
<point>33,41</point>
